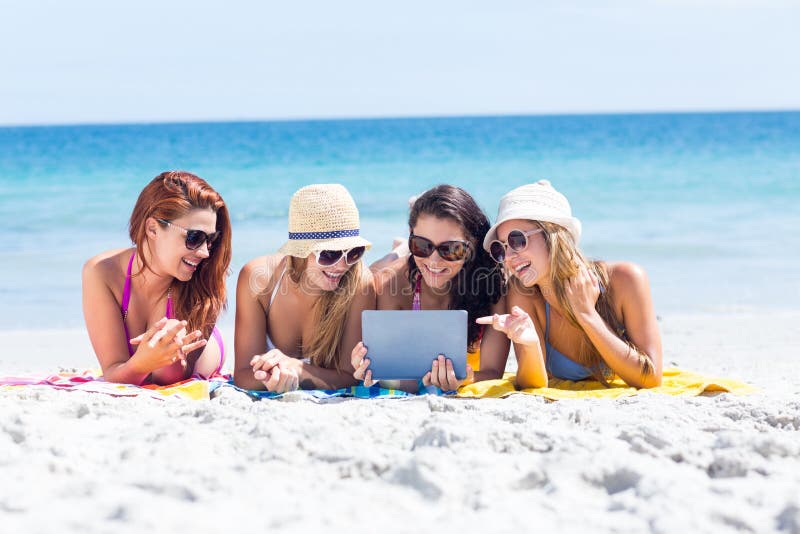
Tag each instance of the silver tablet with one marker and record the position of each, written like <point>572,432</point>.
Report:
<point>402,345</point>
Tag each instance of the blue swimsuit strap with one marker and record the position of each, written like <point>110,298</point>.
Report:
<point>546,322</point>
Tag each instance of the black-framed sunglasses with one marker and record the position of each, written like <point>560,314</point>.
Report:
<point>517,241</point>
<point>326,258</point>
<point>194,238</point>
<point>422,247</point>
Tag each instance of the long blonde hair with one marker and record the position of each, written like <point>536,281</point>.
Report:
<point>565,261</point>
<point>331,311</point>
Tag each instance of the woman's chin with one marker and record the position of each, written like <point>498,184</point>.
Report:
<point>323,283</point>
<point>437,282</point>
<point>528,277</point>
<point>183,276</point>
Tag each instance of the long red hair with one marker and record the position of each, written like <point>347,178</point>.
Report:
<point>171,195</point>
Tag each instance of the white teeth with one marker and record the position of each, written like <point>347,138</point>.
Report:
<point>436,271</point>
<point>334,276</point>
<point>518,269</point>
<point>192,264</point>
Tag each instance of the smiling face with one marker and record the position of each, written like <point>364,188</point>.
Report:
<point>325,278</point>
<point>531,264</point>
<point>168,243</point>
<point>437,272</point>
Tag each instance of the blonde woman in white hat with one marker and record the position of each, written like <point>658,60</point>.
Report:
<point>298,312</point>
<point>570,318</point>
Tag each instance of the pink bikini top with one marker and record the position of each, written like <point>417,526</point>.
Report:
<point>416,305</point>
<point>126,298</point>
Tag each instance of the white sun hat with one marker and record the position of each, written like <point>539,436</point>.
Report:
<point>535,202</point>
<point>322,217</point>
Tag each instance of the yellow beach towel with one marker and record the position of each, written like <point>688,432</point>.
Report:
<point>675,381</point>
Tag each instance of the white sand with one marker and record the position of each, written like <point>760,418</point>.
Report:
<point>78,462</point>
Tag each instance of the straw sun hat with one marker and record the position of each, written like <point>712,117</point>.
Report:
<point>535,202</point>
<point>322,217</point>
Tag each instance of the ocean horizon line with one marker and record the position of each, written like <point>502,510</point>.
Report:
<point>400,118</point>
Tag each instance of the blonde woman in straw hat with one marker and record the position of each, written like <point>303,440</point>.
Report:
<point>298,312</point>
<point>570,318</point>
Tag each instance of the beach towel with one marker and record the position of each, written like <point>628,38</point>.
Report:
<point>675,381</point>
<point>91,380</point>
<point>317,395</point>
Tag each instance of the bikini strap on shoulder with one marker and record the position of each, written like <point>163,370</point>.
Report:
<point>126,290</point>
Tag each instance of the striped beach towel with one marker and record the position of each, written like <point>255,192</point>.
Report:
<point>91,380</point>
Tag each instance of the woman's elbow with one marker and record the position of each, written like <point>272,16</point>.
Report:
<point>490,374</point>
<point>533,382</point>
<point>653,380</point>
<point>649,380</point>
<point>243,378</point>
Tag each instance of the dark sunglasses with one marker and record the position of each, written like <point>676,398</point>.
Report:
<point>194,238</point>
<point>517,241</point>
<point>422,247</point>
<point>326,258</point>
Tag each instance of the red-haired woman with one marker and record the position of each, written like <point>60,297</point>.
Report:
<point>140,302</point>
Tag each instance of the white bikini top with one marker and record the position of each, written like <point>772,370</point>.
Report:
<point>270,345</point>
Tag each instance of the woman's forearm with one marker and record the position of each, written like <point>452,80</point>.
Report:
<point>125,373</point>
<point>531,371</point>
<point>316,377</point>
<point>244,378</point>
<point>487,374</point>
<point>623,360</point>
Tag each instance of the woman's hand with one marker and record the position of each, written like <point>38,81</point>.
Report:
<point>165,343</point>
<point>443,376</point>
<point>278,372</point>
<point>517,325</point>
<point>360,363</point>
<point>582,292</point>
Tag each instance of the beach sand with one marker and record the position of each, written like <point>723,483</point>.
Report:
<point>80,462</point>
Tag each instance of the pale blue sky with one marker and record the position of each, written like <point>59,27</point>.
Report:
<point>104,61</point>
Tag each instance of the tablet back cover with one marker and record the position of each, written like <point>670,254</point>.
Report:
<point>402,344</point>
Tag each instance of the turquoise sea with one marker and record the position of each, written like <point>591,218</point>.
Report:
<point>709,204</point>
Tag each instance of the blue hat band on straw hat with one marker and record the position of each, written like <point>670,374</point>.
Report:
<point>323,235</point>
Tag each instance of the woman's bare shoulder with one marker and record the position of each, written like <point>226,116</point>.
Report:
<point>390,272</point>
<point>628,280</point>
<point>625,273</point>
<point>108,265</point>
<point>266,264</point>
<point>392,285</point>
<point>260,271</point>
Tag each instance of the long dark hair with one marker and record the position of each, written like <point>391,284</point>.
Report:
<point>479,283</point>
